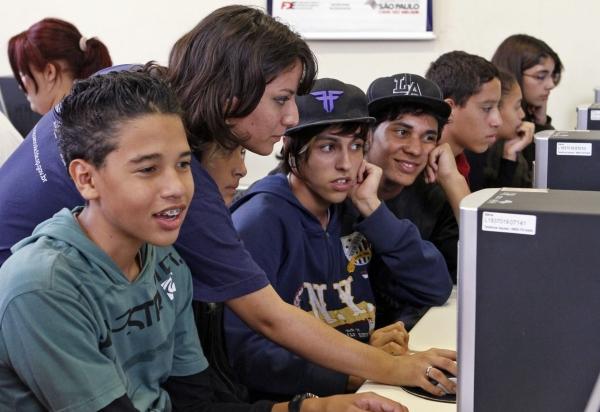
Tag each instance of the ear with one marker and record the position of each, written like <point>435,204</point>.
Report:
<point>451,102</point>
<point>50,72</point>
<point>84,174</point>
<point>453,107</point>
<point>291,160</point>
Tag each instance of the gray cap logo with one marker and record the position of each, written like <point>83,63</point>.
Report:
<point>406,87</point>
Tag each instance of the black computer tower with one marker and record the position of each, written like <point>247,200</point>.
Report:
<point>529,300</point>
<point>567,160</point>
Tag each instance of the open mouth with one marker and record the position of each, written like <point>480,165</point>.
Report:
<point>342,184</point>
<point>169,214</point>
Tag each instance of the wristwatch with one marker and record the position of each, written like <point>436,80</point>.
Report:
<point>296,402</point>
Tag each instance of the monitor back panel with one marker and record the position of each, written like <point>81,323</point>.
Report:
<point>533,299</point>
<point>567,160</point>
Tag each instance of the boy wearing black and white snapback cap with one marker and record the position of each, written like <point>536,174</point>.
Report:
<point>410,114</point>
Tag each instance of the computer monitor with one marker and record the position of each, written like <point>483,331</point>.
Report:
<point>528,300</point>
<point>568,160</point>
<point>588,115</point>
<point>15,106</point>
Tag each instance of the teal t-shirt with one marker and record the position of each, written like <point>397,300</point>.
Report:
<point>75,334</point>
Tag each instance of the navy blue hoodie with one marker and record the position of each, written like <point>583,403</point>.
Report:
<point>324,272</point>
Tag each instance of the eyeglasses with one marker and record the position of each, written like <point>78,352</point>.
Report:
<point>541,77</point>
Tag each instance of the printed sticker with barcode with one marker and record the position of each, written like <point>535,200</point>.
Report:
<point>508,223</point>
<point>573,149</point>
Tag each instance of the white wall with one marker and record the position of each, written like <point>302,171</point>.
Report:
<point>140,31</point>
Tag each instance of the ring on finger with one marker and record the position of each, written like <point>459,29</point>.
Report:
<point>428,370</point>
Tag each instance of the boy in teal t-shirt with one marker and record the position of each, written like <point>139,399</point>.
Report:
<point>95,306</point>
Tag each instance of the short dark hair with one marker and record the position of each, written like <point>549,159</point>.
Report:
<point>220,69</point>
<point>460,75</point>
<point>392,112</point>
<point>90,117</point>
<point>295,152</point>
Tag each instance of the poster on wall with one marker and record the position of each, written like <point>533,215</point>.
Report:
<point>356,19</point>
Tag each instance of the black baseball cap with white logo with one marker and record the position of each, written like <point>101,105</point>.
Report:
<point>406,88</point>
<point>331,101</point>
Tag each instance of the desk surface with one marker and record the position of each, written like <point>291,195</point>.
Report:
<point>437,329</point>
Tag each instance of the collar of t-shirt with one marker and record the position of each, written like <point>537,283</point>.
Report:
<point>463,166</point>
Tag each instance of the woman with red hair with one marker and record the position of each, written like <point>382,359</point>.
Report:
<point>49,56</point>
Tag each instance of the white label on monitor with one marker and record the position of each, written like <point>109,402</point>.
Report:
<point>573,149</point>
<point>594,114</point>
<point>508,223</point>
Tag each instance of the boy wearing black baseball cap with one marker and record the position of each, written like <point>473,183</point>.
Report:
<point>410,114</point>
<point>291,224</point>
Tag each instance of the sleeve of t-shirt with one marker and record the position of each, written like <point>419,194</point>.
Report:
<point>262,233</point>
<point>51,341</point>
<point>188,358</point>
<point>221,267</point>
<point>417,270</point>
<point>263,365</point>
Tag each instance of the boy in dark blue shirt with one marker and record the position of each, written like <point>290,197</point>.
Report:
<point>291,224</point>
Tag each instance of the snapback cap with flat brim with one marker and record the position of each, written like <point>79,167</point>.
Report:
<point>331,101</point>
<point>406,88</point>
